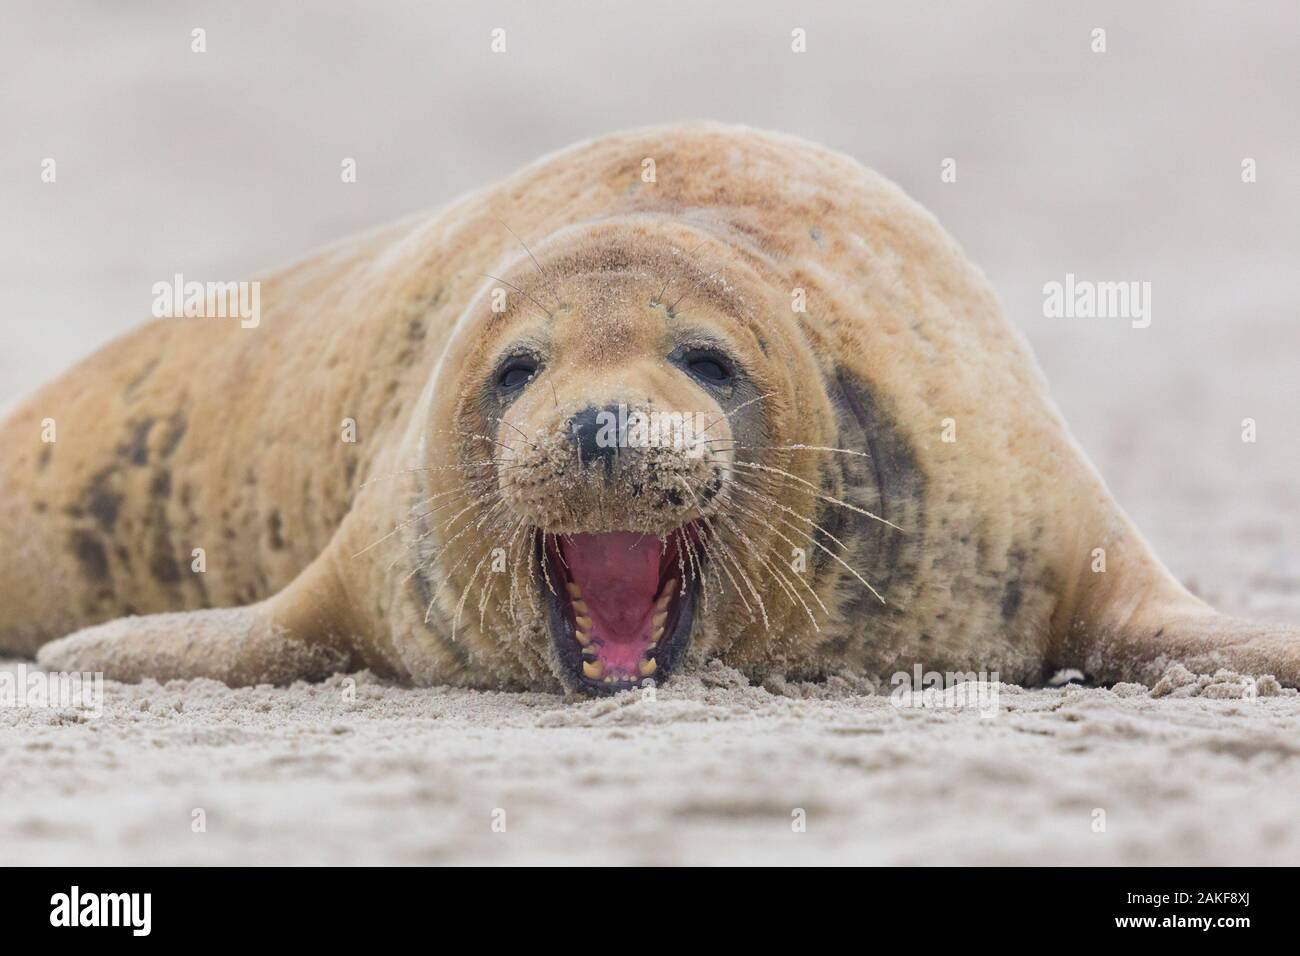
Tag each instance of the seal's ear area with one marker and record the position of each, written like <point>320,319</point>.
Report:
<point>276,641</point>
<point>1200,639</point>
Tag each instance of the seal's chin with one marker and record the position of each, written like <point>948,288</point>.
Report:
<point>619,612</point>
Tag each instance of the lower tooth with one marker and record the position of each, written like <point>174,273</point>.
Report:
<point>583,639</point>
<point>657,633</point>
<point>647,667</point>
<point>593,669</point>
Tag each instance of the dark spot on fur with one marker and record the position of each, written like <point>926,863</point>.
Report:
<point>103,503</point>
<point>161,485</point>
<point>1012,592</point>
<point>273,526</point>
<point>141,377</point>
<point>135,450</point>
<point>1010,600</point>
<point>176,426</point>
<point>90,555</point>
<point>674,497</point>
<point>43,461</point>
<point>888,483</point>
<point>164,568</point>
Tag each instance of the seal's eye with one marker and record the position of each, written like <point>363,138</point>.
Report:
<point>517,371</point>
<point>709,366</point>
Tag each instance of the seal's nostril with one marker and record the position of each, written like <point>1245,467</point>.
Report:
<point>594,432</point>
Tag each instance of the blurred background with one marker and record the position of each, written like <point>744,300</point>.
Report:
<point>1122,165</point>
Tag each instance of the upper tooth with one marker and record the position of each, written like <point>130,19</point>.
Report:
<point>579,606</point>
<point>647,667</point>
<point>593,669</point>
<point>667,592</point>
<point>657,633</point>
<point>574,590</point>
<point>583,638</point>
<point>584,623</point>
<point>660,618</point>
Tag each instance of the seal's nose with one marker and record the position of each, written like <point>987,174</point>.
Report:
<point>594,431</point>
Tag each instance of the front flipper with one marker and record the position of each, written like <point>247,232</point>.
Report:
<point>1200,639</point>
<point>291,636</point>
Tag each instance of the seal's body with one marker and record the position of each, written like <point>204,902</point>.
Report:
<point>735,397</point>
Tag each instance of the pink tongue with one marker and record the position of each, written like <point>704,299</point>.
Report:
<point>619,577</point>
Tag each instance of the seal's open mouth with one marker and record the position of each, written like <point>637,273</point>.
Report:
<point>619,612</point>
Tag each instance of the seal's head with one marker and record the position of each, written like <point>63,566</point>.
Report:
<point>608,400</point>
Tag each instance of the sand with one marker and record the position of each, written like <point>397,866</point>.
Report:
<point>711,770</point>
<point>1122,166</point>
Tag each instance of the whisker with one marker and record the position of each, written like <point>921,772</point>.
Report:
<point>522,433</point>
<point>659,298</point>
<point>763,521</point>
<point>486,588</point>
<point>547,312</point>
<point>538,265</point>
<point>459,466</point>
<point>726,415</point>
<point>696,285</point>
<point>712,540</point>
<point>839,451</point>
<point>437,555</point>
<point>762,608</point>
<point>844,564</point>
<point>450,502</point>
<point>816,492</point>
<point>402,524</point>
<point>437,552</point>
